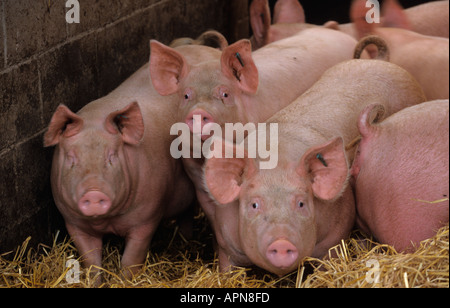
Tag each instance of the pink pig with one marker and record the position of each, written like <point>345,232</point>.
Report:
<point>112,171</point>
<point>401,173</point>
<point>304,206</point>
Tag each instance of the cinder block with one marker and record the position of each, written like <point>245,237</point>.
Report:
<point>33,164</point>
<point>7,111</point>
<point>20,104</point>
<point>26,203</point>
<point>122,50</point>
<point>7,192</point>
<point>69,76</point>
<point>33,26</point>
<point>2,38</point>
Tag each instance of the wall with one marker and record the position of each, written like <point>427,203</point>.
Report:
<point>45,61</point>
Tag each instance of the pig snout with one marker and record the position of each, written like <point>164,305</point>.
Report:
<point>282,254</point>
<point>94,203</point>
<point>197,121</point>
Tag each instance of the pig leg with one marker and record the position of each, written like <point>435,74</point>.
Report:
<point>225,264</point>
<point>136,249</point>
<point>89,247</point>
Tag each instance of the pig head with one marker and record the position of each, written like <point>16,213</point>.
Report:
<point>92,167</point>
<point>285,213</point>
<point>212,89</point>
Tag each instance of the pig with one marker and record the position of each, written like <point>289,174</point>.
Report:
<point>425,57</point>
<point>401,173</point>
<point>274,218</point>
<point>430,19</point>
<point>241,87</point>
<point>112,171</point>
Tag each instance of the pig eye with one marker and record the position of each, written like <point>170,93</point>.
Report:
<point>301,204</point>
<point>255,205</point>
<point>188,94</point>
<point>224,95</point>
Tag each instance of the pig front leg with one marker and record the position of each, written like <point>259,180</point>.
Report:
<point>90,250</point>
<point>89,246</point>
<point>137,245</point>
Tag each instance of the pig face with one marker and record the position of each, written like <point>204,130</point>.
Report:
<point>90,162</point>
<point>278,208</point>
<point>211,89</point>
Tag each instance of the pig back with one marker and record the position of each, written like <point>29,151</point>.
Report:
<point>332,106</point>
<point>289,67</point>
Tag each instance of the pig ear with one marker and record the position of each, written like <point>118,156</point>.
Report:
<point>358,12</point>
<point>64,123</point>
<point>238,64</point>
<point>223,176</point>
<point>167,68</point>
<point>128,122</point>
<point>260,21</point>
<point>327,168</point>
<point>370,115</point>
<point>394,16</point>
<point>288,11</point>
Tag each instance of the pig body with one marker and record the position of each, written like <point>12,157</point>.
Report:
<point>401,173</point>
<point>112,170</point>
<point>239,87</point>
<point>304,206</point>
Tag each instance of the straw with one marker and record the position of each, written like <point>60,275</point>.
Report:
<point>354,263</point>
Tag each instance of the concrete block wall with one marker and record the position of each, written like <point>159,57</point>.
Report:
<point>45,61</point>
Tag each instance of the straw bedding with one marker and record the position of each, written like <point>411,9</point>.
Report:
<point>175,262</point>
